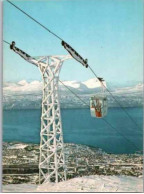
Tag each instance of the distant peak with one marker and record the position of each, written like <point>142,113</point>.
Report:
<point>22,82</point>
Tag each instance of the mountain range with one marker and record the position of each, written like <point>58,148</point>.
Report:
<point>28,95</point>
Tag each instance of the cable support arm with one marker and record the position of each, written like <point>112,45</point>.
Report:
<point>23,54</point>
<point>74,54</point>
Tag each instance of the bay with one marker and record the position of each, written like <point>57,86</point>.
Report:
<point>79,127</point>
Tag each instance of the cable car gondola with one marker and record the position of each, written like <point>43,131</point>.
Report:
<point>98,104</point>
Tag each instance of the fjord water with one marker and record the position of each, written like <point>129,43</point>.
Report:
<point>79,127</point>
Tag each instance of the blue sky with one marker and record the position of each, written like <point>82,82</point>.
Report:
<point>109,33</point>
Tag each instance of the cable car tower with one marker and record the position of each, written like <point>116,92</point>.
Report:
<point>52,166</point>
<point>52,163</point>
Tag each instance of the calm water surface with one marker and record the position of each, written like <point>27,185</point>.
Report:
<point>79,127</point>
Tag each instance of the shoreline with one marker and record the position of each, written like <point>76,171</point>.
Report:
<point>90,146</point>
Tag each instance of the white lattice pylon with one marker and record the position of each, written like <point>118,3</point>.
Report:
<point>52,162</point>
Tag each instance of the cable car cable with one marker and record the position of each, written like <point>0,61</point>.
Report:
<point>122,134</point>
<point>89,66</point>
<point>34,20</point>
<point>73,92</point>
<point>110,89</point>
<point>6,42</point>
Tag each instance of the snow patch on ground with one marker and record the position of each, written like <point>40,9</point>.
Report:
<point>18,146</point>
<point>84,184</point>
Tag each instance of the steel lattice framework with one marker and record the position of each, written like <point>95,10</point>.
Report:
<point>52,162</point>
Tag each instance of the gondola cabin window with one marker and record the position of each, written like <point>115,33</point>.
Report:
<point>98,106</point>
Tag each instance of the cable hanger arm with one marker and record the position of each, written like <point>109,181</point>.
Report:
<point>23,54</point>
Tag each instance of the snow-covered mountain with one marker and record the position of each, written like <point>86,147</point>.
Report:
<point>36,86</point>
<point>24,95</point>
